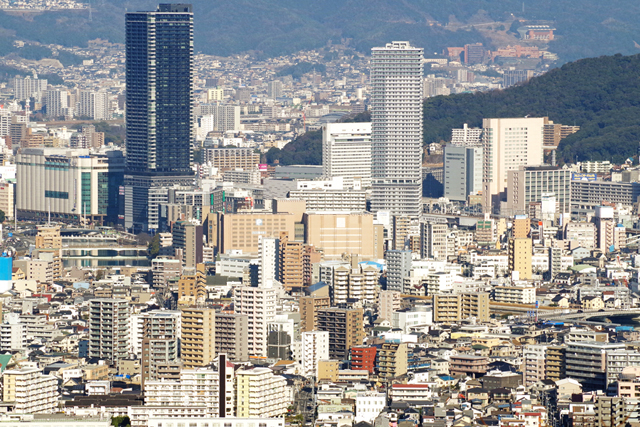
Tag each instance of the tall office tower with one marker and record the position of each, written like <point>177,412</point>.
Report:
<point>161,333</point>
<point>94,104</point>
<point>259,304</point>
<point>507,145</point>
<point>462,172</point>
<point>315,347</point>
<point>274,89</point>
<point>159,106</point>
<point>108,323</point>
<point>198,336</point>
<point>346,152</point>
<point>396,131</point>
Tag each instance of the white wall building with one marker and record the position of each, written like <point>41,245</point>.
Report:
<point>346,152</point>
<point>369,405</point>
<point>259,304</point>
<point>509,144</point>
<point>315,347</point>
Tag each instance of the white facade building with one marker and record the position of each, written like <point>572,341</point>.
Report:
<point>509,144</point>
<point>67,182</point>
<point>396,130</point>
<point>369,405</point>
<point>261,394</point>
<point>94,104</point>
<point>259,304</point>
<point>467,137</point>
<point>30,390</point>
<point>346,152</point>
<point>268,262</point>
<point>315,347</point>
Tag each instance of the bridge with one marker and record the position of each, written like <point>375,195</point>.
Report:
<point>591,314</point>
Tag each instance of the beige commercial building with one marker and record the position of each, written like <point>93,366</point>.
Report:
<point>520,257</point>
<point>7,189</point>
<point>198,336</point>
<point>448,308</point>
<point>328,370</point>
<point>49,241</point>
<point>338,234</point>
<point>242,231</point>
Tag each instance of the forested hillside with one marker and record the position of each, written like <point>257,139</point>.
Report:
<point>602,95</point>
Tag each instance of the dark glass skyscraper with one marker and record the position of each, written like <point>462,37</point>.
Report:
<point>159,65</point>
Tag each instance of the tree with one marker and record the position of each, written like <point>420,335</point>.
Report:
<point>2,216</point>
<point>122,421</point>
<point>154,246</point>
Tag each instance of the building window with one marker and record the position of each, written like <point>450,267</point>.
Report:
<point>56,194</point>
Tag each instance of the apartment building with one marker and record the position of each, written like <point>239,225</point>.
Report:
<point>259,305</point>
<point>198,336</point>
<point>209,390</point>
<point>556,362</point>
<point>468,365</point>
<point>225,159</point>
<point>391,360</point>
<point>520,253</point>
<point>363,358</point>
<point>260,394</point>
<point>346,330</point>
<point>315,347</point>
<point>309,307</point>
<point>515,294</point>
<point>231,331</point>
<point>108,329</point>
<point>30,391</point>
<point>160,337</point>
<point>449,307</point>
<point>586,362</point>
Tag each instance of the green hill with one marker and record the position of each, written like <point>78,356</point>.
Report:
<point>602,95</point>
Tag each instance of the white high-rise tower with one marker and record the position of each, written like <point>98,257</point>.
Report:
<point>396,134</point>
